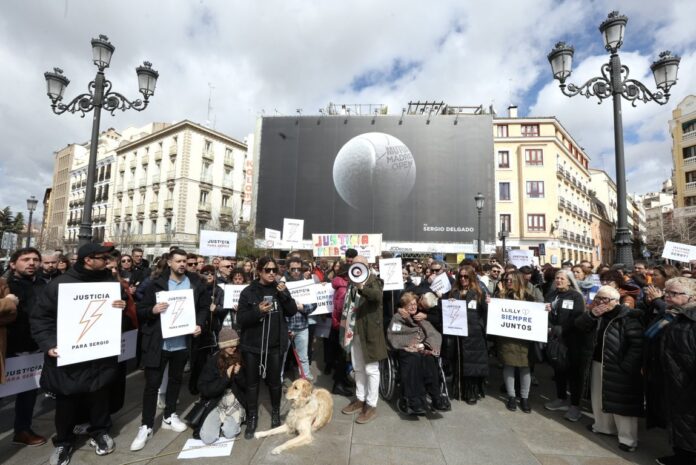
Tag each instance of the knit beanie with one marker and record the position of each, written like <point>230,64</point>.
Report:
<point>228,338</point>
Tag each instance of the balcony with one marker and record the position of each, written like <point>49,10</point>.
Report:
<point>131,185</point>
<point>690,188</point>
<point>204,207</point>
<point>690,163</point>
<point>145,159</point>
<point>560,171</point>
<point>207,179</point>
<point>122,167</point>
<point>226,211</point>
<point>229,160</point>
<point>208,155</point>
<point>171,174</point>
<point>173,150</point>
<point>158,155</point>
<point>142,181</point>
<point>169,204</point>
<point>140,209</point>
<point>691,135</point>
<point>154,206</point>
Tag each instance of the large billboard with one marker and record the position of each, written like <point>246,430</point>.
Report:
<point>410,178</point>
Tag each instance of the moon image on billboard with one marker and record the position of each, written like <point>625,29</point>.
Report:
<point>372,169</point>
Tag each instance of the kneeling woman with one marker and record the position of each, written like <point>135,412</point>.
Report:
<point>221,383</point>
<point>417,344</point>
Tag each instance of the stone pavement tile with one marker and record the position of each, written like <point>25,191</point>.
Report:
<point>578,460</point>
<point>395,431</point>
<point>362,454</point>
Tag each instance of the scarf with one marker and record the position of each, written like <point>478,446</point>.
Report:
<point>655,328</point>
<point>347,328</point>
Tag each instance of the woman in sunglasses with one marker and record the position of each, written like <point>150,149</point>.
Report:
<point>616,382</point>
<point>263,306</point>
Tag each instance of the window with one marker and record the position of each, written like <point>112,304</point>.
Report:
<point>225,199</point>
<point>201,225</point>
<point>530,130</point>
<point>153,227</point>
<point>533,157</point>
<point>208,146</point>
<point>170,193</point>
<point>536,222</point>
<point>504,191</point>
<point>502,130</point>
<point>204,197</point>
<point>689,152</point>
<point>168,226</point>
<point>140,227</point>
<point>535,189</point>
<point>505,222</point>
<point>503,159</point>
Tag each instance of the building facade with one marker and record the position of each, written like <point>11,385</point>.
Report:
<point>659,207</point>
<point>542,199</point>
<point>57,216</point>
<point>682,127</point>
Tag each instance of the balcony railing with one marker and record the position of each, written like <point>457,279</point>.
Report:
<point>690,186</point>
<point>169,204</point>
<point>207,178</point>
<point>204,207</point>
<point>208,155</point>
<point>171,174</point>
<point>689,135</point>
<point>158,155</point>
<point>229,159</point>
<point>154,206</point>
<point>140,209</point>
<point>226,211</point>
<point>690,162</point>
<point>145,159</point>
<point>173,149</point>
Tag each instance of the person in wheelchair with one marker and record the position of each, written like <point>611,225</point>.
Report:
<point>417,345</point>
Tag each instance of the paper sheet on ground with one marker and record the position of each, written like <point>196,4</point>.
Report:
<point>195,449</point>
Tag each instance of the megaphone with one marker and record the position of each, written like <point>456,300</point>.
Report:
<point>358,273</point>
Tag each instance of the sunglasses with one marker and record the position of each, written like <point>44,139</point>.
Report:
<point>270,270</point>
<point>224,266</point>
<point>463,277</point>
<point>207,273</point>
<point>192,264</point>
<point>435,270</point>
<point>127,260</point>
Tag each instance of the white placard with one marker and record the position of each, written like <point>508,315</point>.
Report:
<point>272,235</point>
<point>293,230</point>
<point>454,320</point>
<point>303,291</point>
<point>22,374</point>
<point>195,449</point>
<point>416,280</point>
<point>441,284</point>
<point>518,319</point>
<point>129,342</point>
<point>679,252</point>
<point>325,294</point>
<point>89,327</point>
<point>232,291</point>
<point>391,273</point>
<point>179,318</point>
<point>218,243</point>
<point>521,258</point>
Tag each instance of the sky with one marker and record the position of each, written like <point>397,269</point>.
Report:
<point>277,56</point>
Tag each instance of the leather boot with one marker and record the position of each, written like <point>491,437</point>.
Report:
<point>251,422</point>
<point>275,417</point>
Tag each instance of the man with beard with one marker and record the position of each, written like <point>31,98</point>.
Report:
<point>26,286</point>
<point>49,266</point>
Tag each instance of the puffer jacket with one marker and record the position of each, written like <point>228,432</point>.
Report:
<point>618,339</point>
<point>472,350</point>
<point>678,355</point>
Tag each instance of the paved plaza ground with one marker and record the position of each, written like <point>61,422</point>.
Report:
<point>484,434</point>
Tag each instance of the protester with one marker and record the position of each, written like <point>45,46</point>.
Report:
<point>79,387</point>
<point>63,263</point>
<point>223,388</point>
<point>337,354</point>
<point>158,353</point>
<point>616,381</point>
<point>139,263</point>
<point>350,256</point>
<point>27,287</point>
<point>470,367</point>
<point>362,336</point>
<point>298,324</point>
<point>200,263</point>
<point>630,293</point>
<point>49,266</point>
<point>225,271</point>
<point>263,306</point>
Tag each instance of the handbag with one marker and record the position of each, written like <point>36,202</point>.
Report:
<point>194,417</point>
<point>556,350</point>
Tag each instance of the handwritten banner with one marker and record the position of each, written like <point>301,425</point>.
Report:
<point>89,327</point>
<point>180,317</point>
<point>518,319</point>
<point>454,318</point>
<point>335,245</point>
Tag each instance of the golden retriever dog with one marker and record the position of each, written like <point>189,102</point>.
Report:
<point>310,409</point>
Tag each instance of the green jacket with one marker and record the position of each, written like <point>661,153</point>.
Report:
<point>368,321</point>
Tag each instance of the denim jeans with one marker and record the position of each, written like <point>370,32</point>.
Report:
<point>213,426</point>
<point>301,346</point>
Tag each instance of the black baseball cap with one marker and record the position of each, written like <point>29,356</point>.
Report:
<point>525,269</point>
<point>93,249</point>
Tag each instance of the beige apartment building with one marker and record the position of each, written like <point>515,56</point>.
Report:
<point>682,126</point>
<point>542,194</point>
<point>53,236</point>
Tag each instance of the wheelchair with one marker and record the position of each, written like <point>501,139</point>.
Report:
<point>390,383</point>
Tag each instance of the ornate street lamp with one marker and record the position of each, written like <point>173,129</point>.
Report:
<point>479,199</point>
<point>31,206</point>
<point>614,83</point>
<point>99,95</point>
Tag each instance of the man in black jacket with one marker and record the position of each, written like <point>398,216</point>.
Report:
<point>79,387</point>
<point>24,283</point>
<point>157,352</point>
<point>49,266</point>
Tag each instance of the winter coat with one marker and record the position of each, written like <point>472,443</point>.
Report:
<point>27,290</point>
<point>340,285</point>
<point>212,386</point>
<point>566,306</point>
<point>618,335</point>
<point>404,332</point>
<point>472,350</point>
<point>678,357</point>
<point>251,319</point>
<point>77,378</point>
<point>150,323</point>
<point>514,352</point>
<point>8,314</point>
<point>368,320</point>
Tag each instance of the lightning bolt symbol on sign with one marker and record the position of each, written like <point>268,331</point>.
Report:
<point>95,306</point>
<point>177,311</point>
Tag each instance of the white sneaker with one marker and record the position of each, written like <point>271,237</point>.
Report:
<point>144,433</point>
<point>173,423</point>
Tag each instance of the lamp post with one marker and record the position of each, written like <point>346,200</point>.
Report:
<point>614,83</point>
<point>502,235</point>
<point>99,95</point>
<point>479,199</point>
<point>31,206</point>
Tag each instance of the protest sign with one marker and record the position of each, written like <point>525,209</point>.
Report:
<point>454,320</point>
<point>179,318</point>
<point>324,293</point>
<point>196,449</point>
<point>416,280</point>
<point>22,374</point>
<point>391,273</point>
<point>272,237</point>
<point>129,341</point>
<point>303,291</point>
<point>232,292</point>
<point>679,252</point>
<point>521,258</point>
<point>218,243</point>
<point>335,245</point>
<point>89,327</point>
<point>293,230</point>
<point>518,319</point>
<point>441,284</point>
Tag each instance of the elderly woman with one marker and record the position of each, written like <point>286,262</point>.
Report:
<point>417,344</point>
<point>616,380</point>
<point>678,360</point>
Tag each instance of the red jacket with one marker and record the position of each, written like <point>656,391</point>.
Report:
<point>340,286</point>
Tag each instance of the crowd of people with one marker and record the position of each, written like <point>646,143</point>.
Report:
<point>623,339</point>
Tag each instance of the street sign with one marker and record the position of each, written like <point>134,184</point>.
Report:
<point>542,249</point>
<point>9,241</point>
